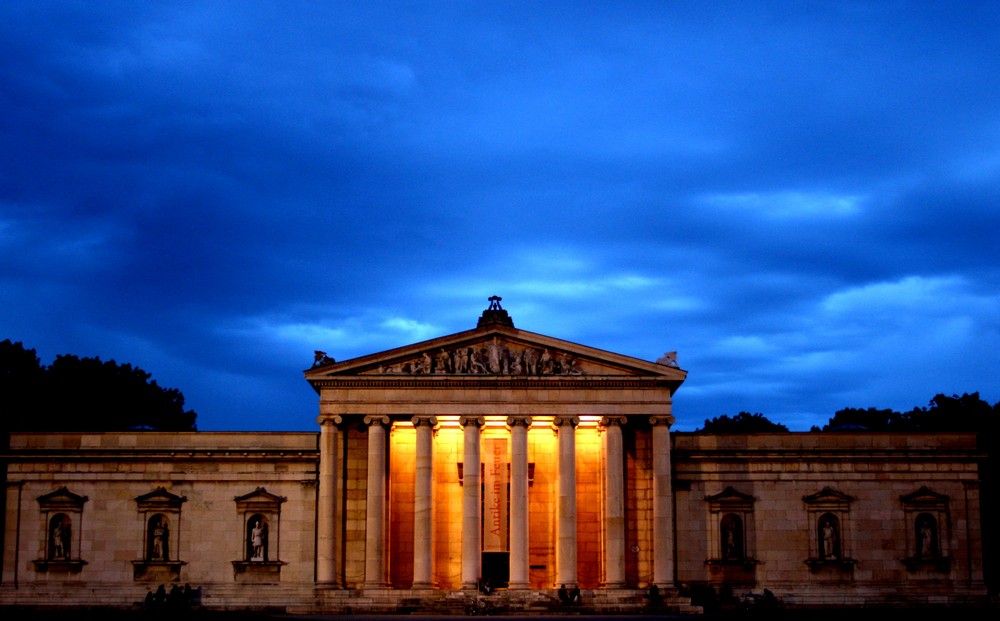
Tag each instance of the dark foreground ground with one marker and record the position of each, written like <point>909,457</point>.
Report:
<point>825,614</point>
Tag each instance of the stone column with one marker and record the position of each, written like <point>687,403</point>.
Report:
<point>566,505</point>
<point>375,547</point>
<point>519,501</point>
<point>614,503</point>
<point>472,535</point>
<point>327,516</point>
<point>423,503</point>
<point>663,507</point>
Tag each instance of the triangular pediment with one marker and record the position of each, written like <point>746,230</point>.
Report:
<point>730,495</point>
<point>924,497</point>
<point>260,496</point>
<point>61,498</point>
<point>828,496</point>
<point>498,351</point>
<point>160,498</point>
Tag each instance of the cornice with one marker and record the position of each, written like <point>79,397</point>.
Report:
<point>438,382</point>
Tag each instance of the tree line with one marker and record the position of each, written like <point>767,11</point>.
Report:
<point>83,394</point>
<point>968,412</point>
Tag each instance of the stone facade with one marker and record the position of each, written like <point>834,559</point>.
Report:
<point>493,455</point>
<point>157,508</point>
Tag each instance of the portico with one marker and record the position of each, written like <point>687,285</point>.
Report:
<point>495,454</point>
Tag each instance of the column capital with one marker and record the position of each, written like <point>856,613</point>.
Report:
<point>513,421</point>
<point>376,420</point>
<point>336,420</point>
<point>478,421</point>
<point>430,421</point>
<point>607,421</point>
<point>559,421</point>
<point>666,420</point>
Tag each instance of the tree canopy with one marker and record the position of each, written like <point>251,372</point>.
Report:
<point>83,394</point>
<point>955,413</point>
<point>744,422</point>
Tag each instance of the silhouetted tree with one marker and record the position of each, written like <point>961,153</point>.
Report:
<point>856,419</point>
<point>966,413</point>
<point>21,381</point>
<point>744,422</point>
<point>84,394</point>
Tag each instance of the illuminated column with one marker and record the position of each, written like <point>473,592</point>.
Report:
<point>614,503</point>
<point>423,502</point>
<point>327,514</point>
<point>375,515</point>
<point>519,501</point>
<point>663,509</point>
<point>472,535</point>
<point>566,506</point>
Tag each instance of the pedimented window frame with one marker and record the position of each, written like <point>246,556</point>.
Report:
<point>820,508</point>
<point>259,504</point>
<point>734,509</point>
<point>159,504</point>
<point>69,506</point>
<point>917,507</point>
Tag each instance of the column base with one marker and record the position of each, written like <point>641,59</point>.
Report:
<point>518,586</point>
<point>423,585</point>
<point>613,585</point>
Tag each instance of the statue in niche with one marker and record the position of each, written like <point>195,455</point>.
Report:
<point>926,545</point>
<point>829,538</point>
<point>728,541</point>
<point>60,537</point>
<point>732,548</point>
<point>159,548</point>
<point>257,541</point>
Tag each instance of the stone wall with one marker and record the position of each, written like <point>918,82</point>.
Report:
<point>877,487</point>
<point>207,488</point>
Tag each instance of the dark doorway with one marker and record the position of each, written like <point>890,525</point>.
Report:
<point>496,568</point>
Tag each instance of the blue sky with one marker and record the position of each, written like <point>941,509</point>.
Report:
<point>801,198</point>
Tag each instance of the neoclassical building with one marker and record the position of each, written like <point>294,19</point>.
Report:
<point>492,456</point>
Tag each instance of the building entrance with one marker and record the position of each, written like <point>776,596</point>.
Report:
<point>496,512</point>
<point>496,568</point>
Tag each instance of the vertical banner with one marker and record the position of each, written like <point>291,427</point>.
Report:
<point>495,486</point>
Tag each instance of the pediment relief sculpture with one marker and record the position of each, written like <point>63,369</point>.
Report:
<point>494,357</point>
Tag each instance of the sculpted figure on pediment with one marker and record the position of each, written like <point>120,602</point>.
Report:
<point>493,358</point>
<point>461,364</point>
<point>547,363</point>
<point>568,365</point>
<point>442,362</point>
<point>476,364</point>
<point>515,363</point>
<point>531,361</point>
